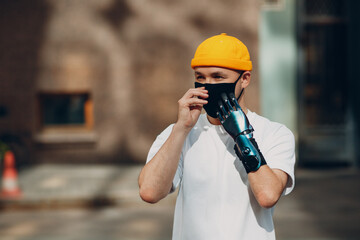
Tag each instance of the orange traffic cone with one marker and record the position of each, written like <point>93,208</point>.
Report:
<point>10,188</point>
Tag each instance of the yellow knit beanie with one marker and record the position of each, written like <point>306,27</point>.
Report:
<point>222,51</point>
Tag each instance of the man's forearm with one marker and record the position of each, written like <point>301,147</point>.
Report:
<point>267,185</point>
<point>156,177</point>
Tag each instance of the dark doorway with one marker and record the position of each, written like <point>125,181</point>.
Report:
<point>326,123</point>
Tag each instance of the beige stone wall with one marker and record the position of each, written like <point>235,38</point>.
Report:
<point>133,57</point>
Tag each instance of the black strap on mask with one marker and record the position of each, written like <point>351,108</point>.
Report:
<point>242,90</point>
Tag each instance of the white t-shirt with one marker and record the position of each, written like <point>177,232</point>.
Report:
<point>215,200</point>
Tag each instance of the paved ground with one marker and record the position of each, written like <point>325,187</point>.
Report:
<point>324,205</point>
<point>101,202</point>
<point>76,185</point>
<point>107,223</point>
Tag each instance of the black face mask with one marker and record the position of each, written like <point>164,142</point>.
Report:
<point>215,90</point>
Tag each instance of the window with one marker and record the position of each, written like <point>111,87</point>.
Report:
<point>65,111</point>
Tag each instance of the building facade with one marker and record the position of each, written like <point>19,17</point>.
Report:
<point>95,81</point>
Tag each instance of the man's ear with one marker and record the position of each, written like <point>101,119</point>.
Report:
<point>245,79</point>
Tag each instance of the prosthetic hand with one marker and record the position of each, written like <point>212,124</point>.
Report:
<point>237,125</point>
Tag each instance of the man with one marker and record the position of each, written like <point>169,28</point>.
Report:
<point>231,168</point>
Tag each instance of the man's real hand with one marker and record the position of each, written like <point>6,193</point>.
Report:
<point>190,106</point>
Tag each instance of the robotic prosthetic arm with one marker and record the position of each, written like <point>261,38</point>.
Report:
<point>237,125</point>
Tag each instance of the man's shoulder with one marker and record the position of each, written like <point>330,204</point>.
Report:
<point>266,125</point>
<point>257,119</point>
<point>166,132</point>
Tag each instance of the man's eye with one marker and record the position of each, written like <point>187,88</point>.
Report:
<point>219,77</point>
<point>199,77</point>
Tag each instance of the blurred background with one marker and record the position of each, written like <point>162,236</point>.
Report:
<point>86,86</point>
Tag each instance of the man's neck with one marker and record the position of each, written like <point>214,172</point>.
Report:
<point>213,121</point>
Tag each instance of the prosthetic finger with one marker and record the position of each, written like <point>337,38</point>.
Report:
<point>227,102</point>
<point>220,117</point>
<point>223,109</point>
<point>223,112</point>
<point>234,101</point>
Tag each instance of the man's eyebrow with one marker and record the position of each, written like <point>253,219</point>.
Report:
<point>218,73</point>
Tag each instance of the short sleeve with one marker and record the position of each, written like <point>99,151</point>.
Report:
<point>281,155</point>
<point>159,141</point>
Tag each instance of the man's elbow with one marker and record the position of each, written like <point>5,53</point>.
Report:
<point>150,196</point>
<point>268,200</point>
